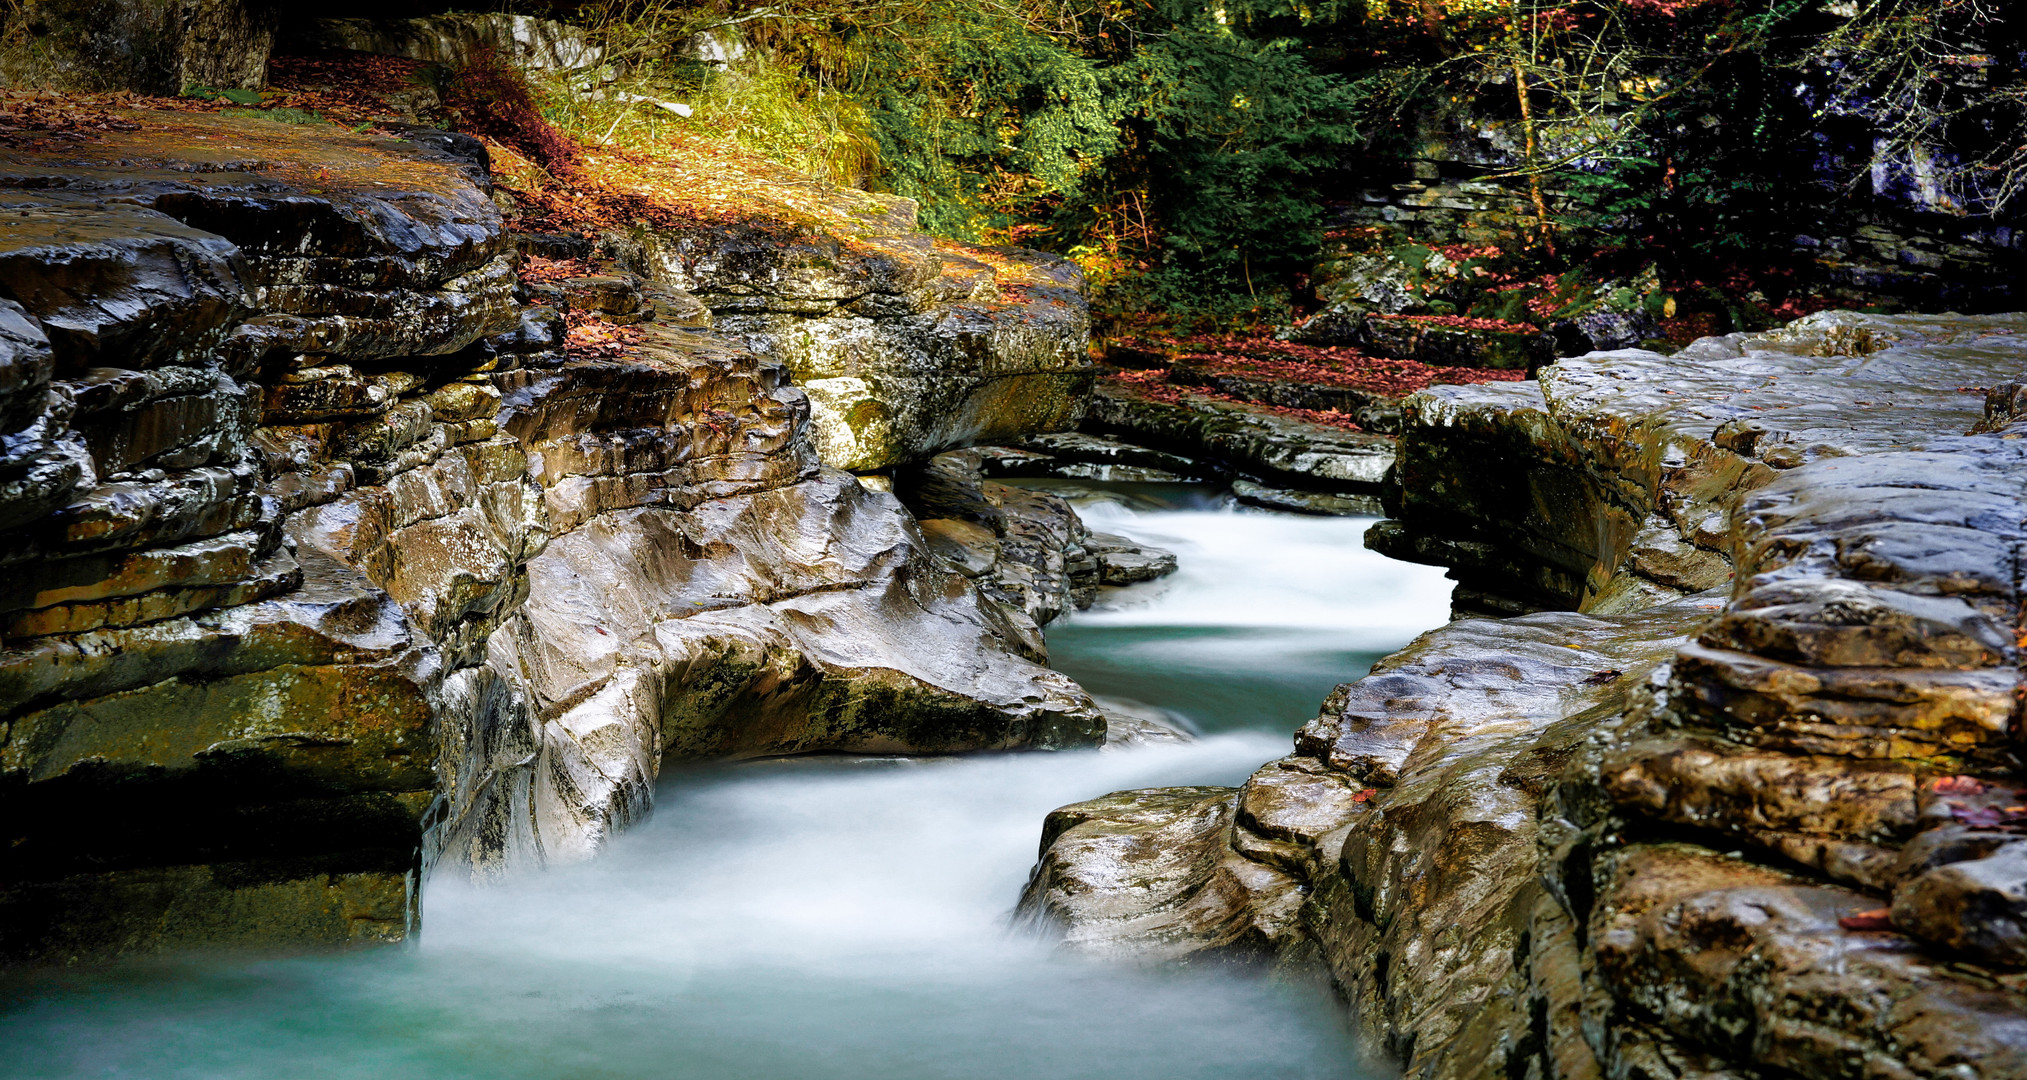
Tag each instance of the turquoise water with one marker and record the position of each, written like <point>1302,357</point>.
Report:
<point>1266,613</point>
<point>813,918</point>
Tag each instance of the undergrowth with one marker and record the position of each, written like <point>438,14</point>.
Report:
<point>759,105</point>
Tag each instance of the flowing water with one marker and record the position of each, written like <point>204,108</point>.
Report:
<point>821,918</point>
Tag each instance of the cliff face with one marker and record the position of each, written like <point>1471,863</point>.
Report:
<point>333,564</point>
<point>1753,812</point>
<point>906,345</point>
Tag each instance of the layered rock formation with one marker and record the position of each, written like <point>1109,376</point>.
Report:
<point>333,564</point>
<point>904,344</point>
<point>451,38</point>
<point>1611,481</point>
<point>1762,819</point>
<point>1251,442</point>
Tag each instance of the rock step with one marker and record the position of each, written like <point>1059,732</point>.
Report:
<point>1247,440</point>
<point>1773,824</point>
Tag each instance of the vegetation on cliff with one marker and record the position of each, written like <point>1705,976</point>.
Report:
<point>1189,154</point>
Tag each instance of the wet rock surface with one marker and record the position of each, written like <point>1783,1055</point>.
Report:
<point>1755,811</point>
<point>1026,549</point>
<point>331,566</point>
<point>905,345</point>
<point>1614,479</point>
<point>1225,439</point>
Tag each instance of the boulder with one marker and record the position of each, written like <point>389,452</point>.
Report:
<point>1540,494</point>
<point>452,38</point>
<point>1225,437</point>
<point>149,46</point>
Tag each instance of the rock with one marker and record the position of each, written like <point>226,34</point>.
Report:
<point>1442,345</point>
<point>717,48</point>
<point>1632,449</point>
<point>139,288</point>
<point>1306,502</point>
<point>426,242</point>
<point>1040,565</point>
<point>1086,449</point>
<point>1754,964</point>
<point>1250,440</point>
<point>969,546</point>
<point>1269,389</point>
<point>453,39</point>
<point>1123,562</point>
<point>1368,282</point>
<point>1147,874</point>
<point>1131,723</point>
<point>907,346</point>
<point>1604,330</point>
<point>1015,463</point>
<point>1659,838</point>
<point>1976,905</point>
<point>332,567</point>
<point>558,246</point>
<point>152,48</point>
<point>607,293</point>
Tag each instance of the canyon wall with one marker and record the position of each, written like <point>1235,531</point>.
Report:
<point>1754,810</point>
<point>333,562</point>
<point>1892,238</point>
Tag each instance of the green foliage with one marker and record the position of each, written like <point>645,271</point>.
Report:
<point>1211,128</point>
<point>989,123</point>
<point>1185,150</point>
<point>304,117</point>
<point>1239,127</point>
<point>237,97</point>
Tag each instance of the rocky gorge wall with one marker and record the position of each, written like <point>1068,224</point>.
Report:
<point>336,560</point>
<point>1895,239</point>
<point>1752,812</point>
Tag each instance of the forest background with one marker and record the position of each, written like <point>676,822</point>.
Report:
<point>1195,156</point>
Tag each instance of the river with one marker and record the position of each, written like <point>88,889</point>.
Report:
<point>825,918</point>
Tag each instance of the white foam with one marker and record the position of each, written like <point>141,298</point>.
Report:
<point>1270,571</point>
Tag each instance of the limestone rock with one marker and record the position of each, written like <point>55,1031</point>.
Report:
<point>1322,503</point>
<point>967,545</point>
<point>330,567</point>
<point>1041,562</point>
<point>453,38</point>
<point>1975,905</point>
<point>1753,963</point>
<point>1618,451</point>
<point>906,346</point>
<point>1149,874</point>
<point>1245,439</point>
<point>1124,562</point>
<point>1077,456</point>
<point>1772,826</point>
<point>142,45</point>
<point>1131,723</point>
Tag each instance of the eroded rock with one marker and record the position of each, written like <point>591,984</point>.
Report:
<point>1771,826</point>
<point>332,566</point>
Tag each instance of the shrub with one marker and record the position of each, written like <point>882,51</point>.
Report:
<point>489,96</point>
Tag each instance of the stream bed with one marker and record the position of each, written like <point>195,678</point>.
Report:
<point>826,917</point>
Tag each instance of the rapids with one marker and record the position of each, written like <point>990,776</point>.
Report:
<point>824,917</point>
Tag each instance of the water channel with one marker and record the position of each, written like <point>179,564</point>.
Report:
<point>826,918</point>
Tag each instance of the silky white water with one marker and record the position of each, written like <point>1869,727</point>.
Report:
<point>1264,615</point>
<point>810,918</point>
